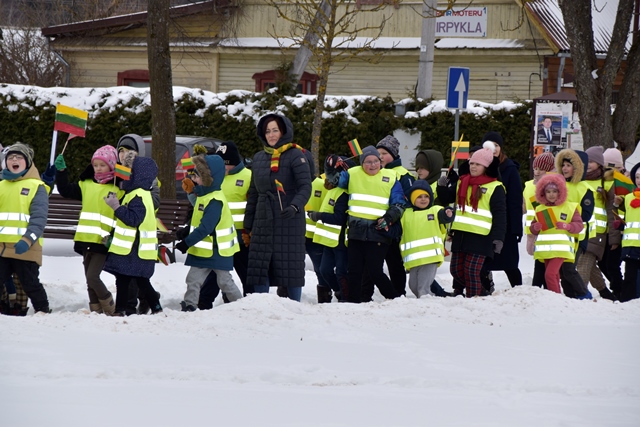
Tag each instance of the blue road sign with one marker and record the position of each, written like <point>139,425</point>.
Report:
<point>457,87</point>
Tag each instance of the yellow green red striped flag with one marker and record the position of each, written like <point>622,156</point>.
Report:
<point>280,187</point>
<point>71,120</point>
<point>355,147</point>
<point>123,172</point>
<point>547,218</point>
<point>187,164</point>
<point>622,184</point>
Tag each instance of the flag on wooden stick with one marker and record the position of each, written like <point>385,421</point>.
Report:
<point>280,187</point>
<point>123,172</point>
<point>460,150</point>
<point>187,164</point>
<point>71,120</point>
<point>355,147</point>
<point>622,184</point>
<point>547,218</point>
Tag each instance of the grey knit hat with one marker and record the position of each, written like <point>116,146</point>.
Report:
<point>390,144</point>
<point>20,148</point>
<point>367,151</point>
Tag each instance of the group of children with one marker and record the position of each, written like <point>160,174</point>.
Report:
<point>578,227</point>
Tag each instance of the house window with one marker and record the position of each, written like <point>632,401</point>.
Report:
<point>134,78</point>
<point>267,80</point>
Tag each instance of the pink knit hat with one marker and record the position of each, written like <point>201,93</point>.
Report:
<point>613,158</point>
<point>483,156</point>
<point>107,154</point>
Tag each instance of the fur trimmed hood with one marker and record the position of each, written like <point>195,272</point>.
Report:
<point>551,178</point>
<point>211,171</point>
<point>575,159</point>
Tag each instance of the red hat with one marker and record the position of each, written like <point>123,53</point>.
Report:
<point>545,162</point>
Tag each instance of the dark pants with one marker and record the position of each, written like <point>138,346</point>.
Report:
<point>315,251</point>
<point>572,284</point>
<point>538,274</point>
<point>28,272</point>
<point>334,267</point>
<point>143,284</point>
<point>210,290</point>
<point>630,283</point>
<point>367,256</point>
<point>397,274</point>
<point>610,267</point>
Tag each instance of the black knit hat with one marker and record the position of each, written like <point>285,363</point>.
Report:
<point>494,137</point>
<point>229,153</point>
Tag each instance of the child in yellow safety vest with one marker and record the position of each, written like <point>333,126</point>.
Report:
<point>556,224</point>
<point>96,219</point>
<point>630,204</point>
<point>423,234</point>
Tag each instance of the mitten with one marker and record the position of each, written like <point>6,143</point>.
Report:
<point>187,185</point>
<point>314,216</point>
<point>562,225</point>
<point>182,247</point>
<point>246,238</point>
<point>49,175</point>
<point>183,232</point>
<point>21,247</point>
<point>616,224</point>
<point>106,240</point>
<point>443,181</point>
<point>536,226</point>
<point>59,163</point>
<point>497,246</point>
<point>288,212</point>
<point>112,201</point>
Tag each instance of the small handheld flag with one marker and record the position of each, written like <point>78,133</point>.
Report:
<point>69,120</point>
<point>547,218</point>
<point>160,226</point>
<point>123,172</point>
<point>187,164</point>
<point>355,147</point>
<point>622,184</point>
<point>458,149</point>
<point>280,189</point>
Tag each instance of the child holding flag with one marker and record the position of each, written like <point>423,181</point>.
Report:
<point>556,225</point>
<point>96,219</point>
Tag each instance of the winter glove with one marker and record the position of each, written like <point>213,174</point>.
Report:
<point>443,181</point>
<point>562,225</point>
<point>314,216</point>
<point>112,201</point>
<point>288,212</point>
<point>382,224</point>
<point>246,238</point>
<point>536,226</point>
<point>187,185</point>
<point>49,175</point>
<point>617,225</point>
<point>183,232</point>
<point>106,240</point>
<point>59,163</point>
<point>182,246</point>
<point>21,247</point>
<point>497,246</point>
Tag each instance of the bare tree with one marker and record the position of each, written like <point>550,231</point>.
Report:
<point>336,41</point>
<point>594,84</point>
<point>163,119</point>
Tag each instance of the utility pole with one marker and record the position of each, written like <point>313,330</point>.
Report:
<point>427,49</point>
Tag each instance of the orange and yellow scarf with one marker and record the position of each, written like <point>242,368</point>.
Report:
<point>277,152</point>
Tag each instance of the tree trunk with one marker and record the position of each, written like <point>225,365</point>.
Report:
<point>163,120</point>
<point>594,86</point>
<point>325,65</point>
<point>626,118</point>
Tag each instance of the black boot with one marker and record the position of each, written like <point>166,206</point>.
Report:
<point>324,294</point>
<point>282,292</point>
<point>607,294</point>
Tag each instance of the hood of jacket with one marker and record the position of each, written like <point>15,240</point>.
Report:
<point>143,172</point>
<point>420,184</point>
<point>211,170</point>
<point>132,141</point>
<point>634,171</point>
<point>433,161</point>
<point>579,169</point>
<point>551,178</point>
<point>286,137</point>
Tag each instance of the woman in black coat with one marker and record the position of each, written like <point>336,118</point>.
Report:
<point>508,259</point>
<point>275,218</point>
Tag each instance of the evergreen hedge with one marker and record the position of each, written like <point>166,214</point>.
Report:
<point>369,119</point>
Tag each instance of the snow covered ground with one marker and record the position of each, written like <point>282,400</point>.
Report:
<point>522,357</point>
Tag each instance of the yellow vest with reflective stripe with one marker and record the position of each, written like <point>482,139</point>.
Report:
<point>401,171</point>
<point>235,189</point>
<point>631,235</point>
<point>96,217</point>
<point>477,222</point>
<point>575,194</point>
<point>554,243</point>
<point>318,193</point>
<point>15,208</point>
<point>369,195</point>
<point>226,236</point>
<point>124,236</point>
<point>329,234</point>
<point>530,203</point>
<point>421,241</point>
<point>599,209</point>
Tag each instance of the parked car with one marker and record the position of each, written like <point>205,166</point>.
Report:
<point>184,150</point>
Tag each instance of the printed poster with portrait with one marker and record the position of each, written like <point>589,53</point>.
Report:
<point>552,127</point>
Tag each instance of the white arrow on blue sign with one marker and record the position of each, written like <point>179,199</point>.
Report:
<point>457,87</point>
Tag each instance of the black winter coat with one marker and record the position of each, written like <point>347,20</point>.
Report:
<point>277,248</point>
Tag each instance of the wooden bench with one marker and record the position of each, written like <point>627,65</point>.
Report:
<point>63,215</point>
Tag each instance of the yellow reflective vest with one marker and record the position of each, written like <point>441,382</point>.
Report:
<point>124,236</point>
<point>369,195</point>
<point>318,193</point>
<point>235,188</point>
<point>96,217</point>
<point>599,208</point>
<point>422,241</point>
<point>631,235</point>
<point>530,203</point>
<point>554,243</point>
<point>15,208</point>
<point>575,194</point>
<point>480,221</point>
<point>226,236</point>
<point>328,234</point>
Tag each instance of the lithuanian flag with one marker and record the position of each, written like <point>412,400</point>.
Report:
<point>187,164</point>
<point>123,172</point>
<point>355,147</point>
<point>547,218</point>
<point>280,187</point>
<point>622,184</point>
<point>533,202</point>
<point>71,120</point>
<point>459,150</point>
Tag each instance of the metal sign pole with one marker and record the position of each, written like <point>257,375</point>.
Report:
<point>456,133</point>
